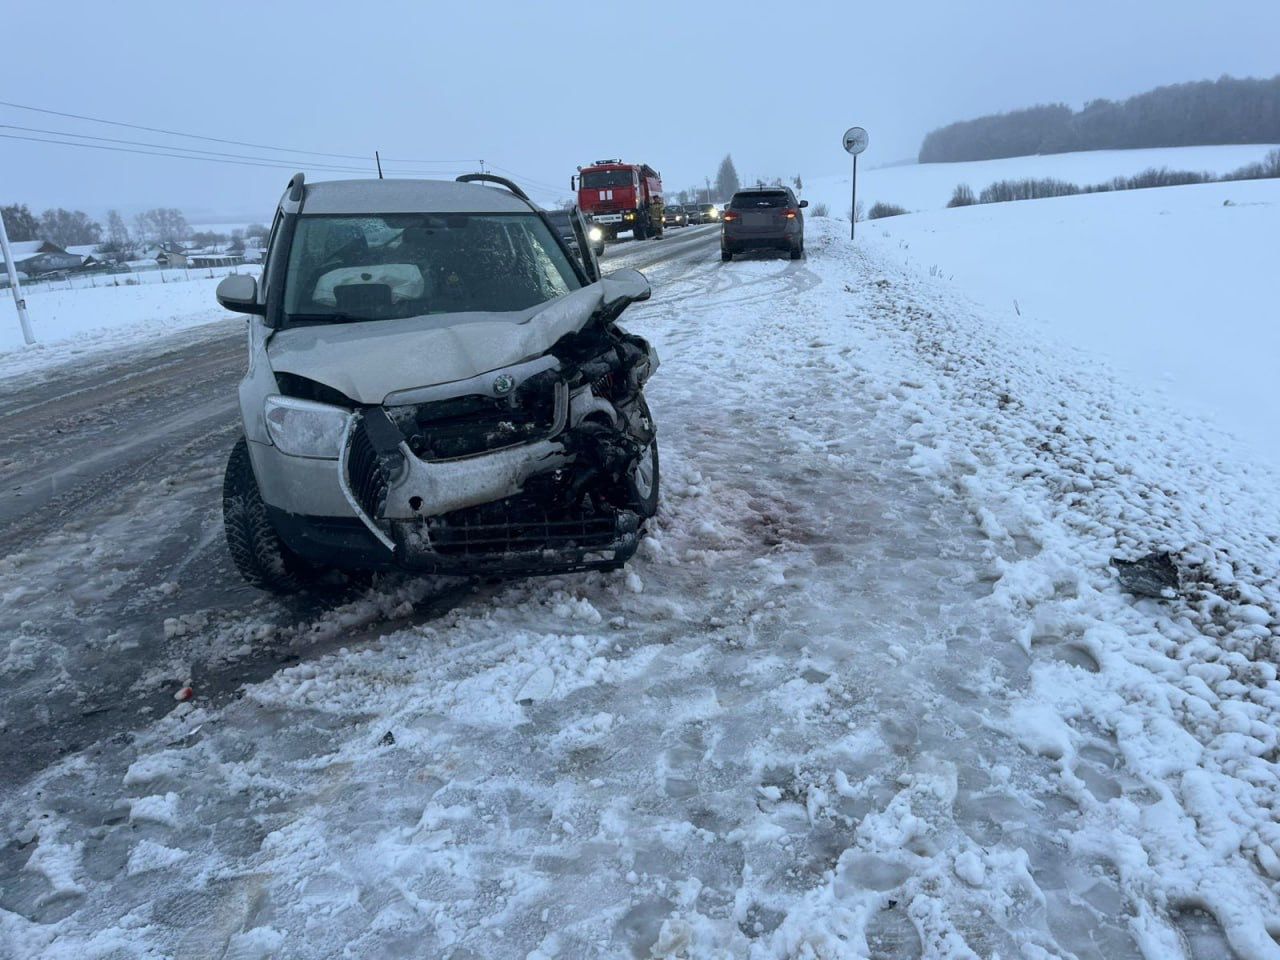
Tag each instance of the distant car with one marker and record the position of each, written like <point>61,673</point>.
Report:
<point>562,220</point>
<point>708,213</point>
<point>763,218</point>
<point>694,212</point>
<point>673,215</point>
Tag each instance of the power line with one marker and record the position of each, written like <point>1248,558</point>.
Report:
<point>162,146</point>
<point>196,136</point>
<point>522,178</point>
<point>311,164</point>
<point>278,165</point>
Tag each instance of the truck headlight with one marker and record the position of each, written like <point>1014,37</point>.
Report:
<point>595,234</point>
<point>303,428</point>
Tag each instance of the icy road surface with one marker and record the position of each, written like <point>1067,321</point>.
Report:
<point>869,690</point>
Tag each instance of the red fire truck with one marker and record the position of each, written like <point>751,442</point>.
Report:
<point>618,196</point>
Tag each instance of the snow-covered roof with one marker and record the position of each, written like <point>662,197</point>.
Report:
<point>408,196</point>
<point>83,249</point>
<point>29,248</point>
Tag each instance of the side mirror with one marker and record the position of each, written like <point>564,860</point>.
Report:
<point>625,286</point>
<point>804,203</point>
<point>239,293</point>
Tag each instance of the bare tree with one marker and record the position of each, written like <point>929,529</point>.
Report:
<point>68,228</point>
<point>20,223</point>
<point>162,225</point>
<point>118,243</point>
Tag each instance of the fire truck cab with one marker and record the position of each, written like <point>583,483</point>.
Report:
<point>617,196</point>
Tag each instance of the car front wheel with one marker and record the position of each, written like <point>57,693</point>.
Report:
<point>259,554</point>
<point>642,482</point>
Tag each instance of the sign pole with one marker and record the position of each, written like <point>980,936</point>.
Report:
<point>21,304</point>
<point>855,141</point>
<point>853,200</point>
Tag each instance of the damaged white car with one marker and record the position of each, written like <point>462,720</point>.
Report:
<point>436,382</point>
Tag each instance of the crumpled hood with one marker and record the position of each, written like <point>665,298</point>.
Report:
<point>367,361</point>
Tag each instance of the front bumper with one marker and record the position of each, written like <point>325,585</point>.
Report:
<point>623,219</point>
<point>462,545</point>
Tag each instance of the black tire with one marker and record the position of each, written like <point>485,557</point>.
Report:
<point>726,254</point>
<point>797,251</point>
<point>643,484</point>
<point>259,554</point>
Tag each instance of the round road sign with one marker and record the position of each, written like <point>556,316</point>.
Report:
<point>855,140</point>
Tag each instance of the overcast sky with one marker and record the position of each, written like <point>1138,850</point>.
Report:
<point>538,88</point>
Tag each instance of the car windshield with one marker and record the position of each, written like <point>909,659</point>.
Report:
<point>607,178</point>
<point>759,198</point>
<point>351,268</point>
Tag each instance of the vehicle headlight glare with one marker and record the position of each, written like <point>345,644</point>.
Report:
<point>595,234</point>
<point>303,428</point>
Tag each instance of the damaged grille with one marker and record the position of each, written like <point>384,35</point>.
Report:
<point>466,426</point>
<point>486,539</point>
<point>369,473</point>
<point>516,534</point>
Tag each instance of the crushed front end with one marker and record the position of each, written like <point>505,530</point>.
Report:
<point>538,467</point>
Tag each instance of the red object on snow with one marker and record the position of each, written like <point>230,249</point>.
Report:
<point>183,695</point>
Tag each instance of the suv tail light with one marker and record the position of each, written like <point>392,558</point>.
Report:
<point>790,214</point>
<point>730,216</point>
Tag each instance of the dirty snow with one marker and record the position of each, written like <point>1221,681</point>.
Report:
<point>870,689</point>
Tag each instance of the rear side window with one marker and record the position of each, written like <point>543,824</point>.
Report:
<point>759,199</point>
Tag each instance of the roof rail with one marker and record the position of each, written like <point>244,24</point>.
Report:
<point>494,178</point>
<point>291,202</point>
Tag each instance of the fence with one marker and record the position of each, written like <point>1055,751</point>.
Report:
<point>136,277</point>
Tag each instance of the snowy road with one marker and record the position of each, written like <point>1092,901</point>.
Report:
<point>869,689</point>
<point>110,533</point>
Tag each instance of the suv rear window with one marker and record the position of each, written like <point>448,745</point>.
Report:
<point>759,198</point>
<point>353,268</point>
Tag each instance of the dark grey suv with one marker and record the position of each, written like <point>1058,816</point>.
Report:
<point>763,218</point>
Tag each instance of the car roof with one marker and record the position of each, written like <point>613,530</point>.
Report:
<point>408,196</point>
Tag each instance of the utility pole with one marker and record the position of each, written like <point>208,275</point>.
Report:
<point>708,179</point>
<point>21,304</point>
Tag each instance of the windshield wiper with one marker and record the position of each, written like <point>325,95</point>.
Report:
<point>337,317</point>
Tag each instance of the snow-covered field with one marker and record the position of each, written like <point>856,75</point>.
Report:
<point>871,688</point>
<point>1177,286</point>
<point>928,186</point>
<point>70,324</point>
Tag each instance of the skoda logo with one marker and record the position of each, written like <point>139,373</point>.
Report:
<point>503,384</point>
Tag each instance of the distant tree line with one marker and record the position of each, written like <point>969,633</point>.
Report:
<point>1227,110</point>
<point>1040,188</point>
<point>161,226</point>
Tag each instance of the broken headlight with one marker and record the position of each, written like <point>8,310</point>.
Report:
<point>303,428</point>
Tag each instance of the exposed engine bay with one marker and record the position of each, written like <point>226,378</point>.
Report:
<point>539,462</point>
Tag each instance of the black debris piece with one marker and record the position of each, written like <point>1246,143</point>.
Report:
<point>1154,575</point>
